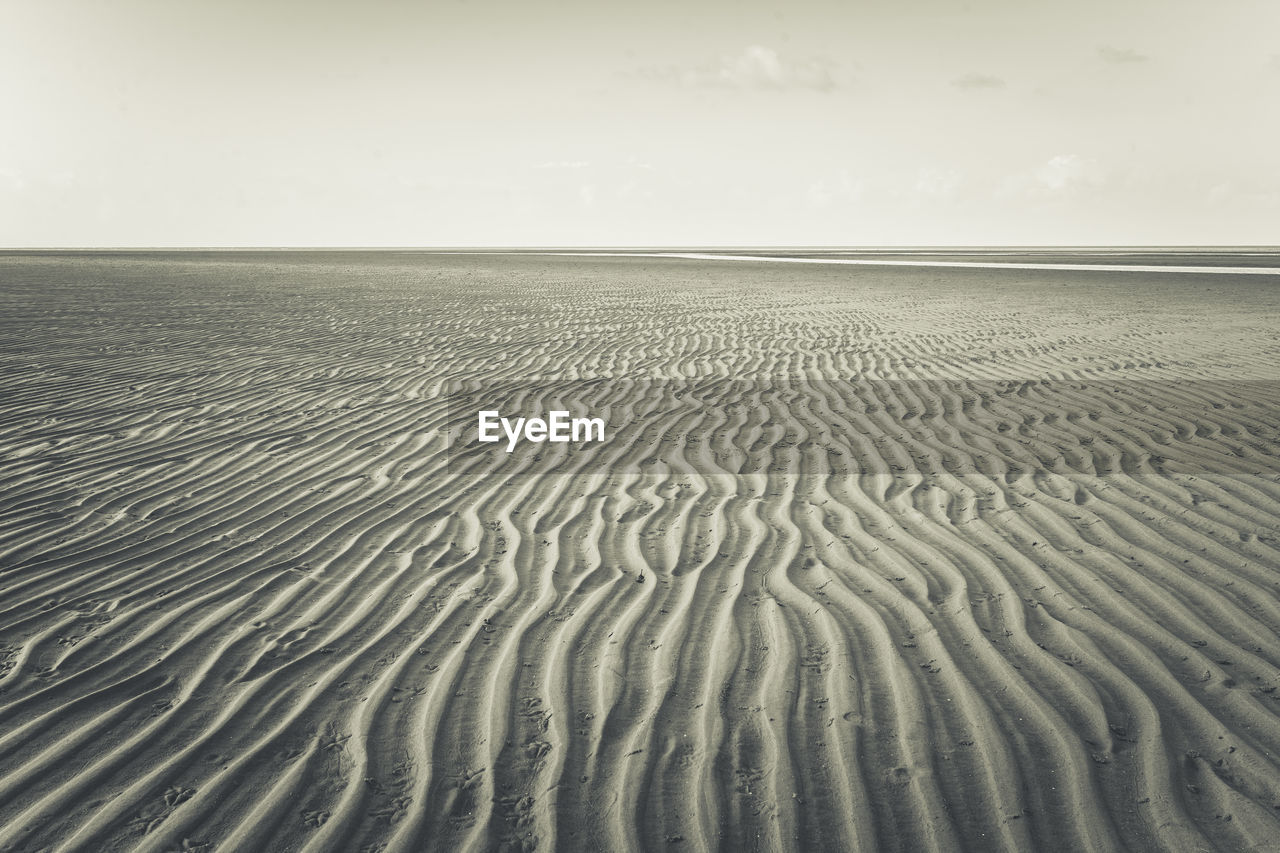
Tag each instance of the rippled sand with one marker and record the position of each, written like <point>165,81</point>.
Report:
<point>252,597</point>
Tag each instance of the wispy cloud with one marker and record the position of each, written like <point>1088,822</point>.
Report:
<point>975,80</point>
<point>1120,55</point>
<point>1062,176</point>
<point>1069,173</point>
<point>757,68</point>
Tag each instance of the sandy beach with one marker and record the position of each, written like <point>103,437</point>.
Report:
<point>877,557</point>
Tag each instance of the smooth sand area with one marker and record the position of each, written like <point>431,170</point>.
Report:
<point>1005,576</point>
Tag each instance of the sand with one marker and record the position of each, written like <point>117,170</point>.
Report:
<point>881,558</point>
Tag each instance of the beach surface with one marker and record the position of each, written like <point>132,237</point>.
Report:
<point>878,557</point>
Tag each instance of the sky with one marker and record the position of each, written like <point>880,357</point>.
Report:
<point>465,123</point>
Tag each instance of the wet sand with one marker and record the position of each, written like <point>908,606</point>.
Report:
<point>959,558</point>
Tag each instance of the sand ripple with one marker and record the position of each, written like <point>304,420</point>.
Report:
<point>250,600</point>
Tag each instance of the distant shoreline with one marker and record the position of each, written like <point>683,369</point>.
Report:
<point>1193,260</point>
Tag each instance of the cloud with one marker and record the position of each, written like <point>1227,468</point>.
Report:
<point>1069,173</point>
<point>1120,55</point>
<point>975,80</point>
<point>756,68</point>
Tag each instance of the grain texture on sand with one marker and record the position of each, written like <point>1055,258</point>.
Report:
<point>249,601</point>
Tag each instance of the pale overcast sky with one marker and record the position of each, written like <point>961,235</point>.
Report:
<point>868,122</point>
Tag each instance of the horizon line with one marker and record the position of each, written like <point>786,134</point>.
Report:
<point>659,247</point>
